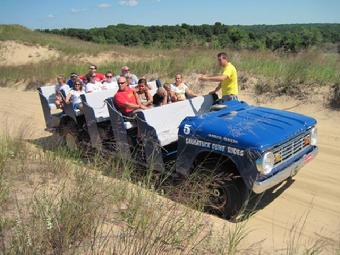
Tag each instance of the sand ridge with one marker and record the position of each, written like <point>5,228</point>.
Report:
<point>15,54</point>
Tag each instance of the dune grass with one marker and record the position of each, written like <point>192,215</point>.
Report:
<point>54,202</point>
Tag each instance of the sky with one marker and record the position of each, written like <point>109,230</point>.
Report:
<point>87,14</point>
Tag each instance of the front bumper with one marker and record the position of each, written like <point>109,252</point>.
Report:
<point>261,186</point>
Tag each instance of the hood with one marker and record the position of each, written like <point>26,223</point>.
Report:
<point>248,126</point>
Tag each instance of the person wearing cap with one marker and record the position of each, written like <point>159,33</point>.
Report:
<point>131,78</point>
<point>73,78</point>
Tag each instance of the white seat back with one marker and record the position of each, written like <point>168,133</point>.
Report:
<point>49,93</point>
<point>167,118</point>
<point>153,87</point>
<point>95,100</point>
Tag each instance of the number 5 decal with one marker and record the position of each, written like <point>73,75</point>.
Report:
<point>186,129</point>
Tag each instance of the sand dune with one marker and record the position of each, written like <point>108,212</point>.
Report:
<point>314,196</point>
<point>14,54</point>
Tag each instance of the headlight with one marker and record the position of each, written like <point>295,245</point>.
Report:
<point>313,136</point>
<point>266,163</point>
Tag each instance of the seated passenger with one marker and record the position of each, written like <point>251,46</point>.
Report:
<point>110,82</point>
<point>143,93</point>
<point>126,99</point>
<point>164,95</point>
<point>181,89</point>
<point>61,89</point>
<point>73,78</point>
<point>74,95</point>
<point>131,78</point>
<point>93,70</point>
<point>92,84</point>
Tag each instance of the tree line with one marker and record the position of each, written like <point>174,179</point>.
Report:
<point>291,38</point>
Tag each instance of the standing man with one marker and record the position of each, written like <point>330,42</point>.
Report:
<point>227,80</point>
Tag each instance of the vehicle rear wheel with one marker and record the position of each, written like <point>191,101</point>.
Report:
<point>70,135</point>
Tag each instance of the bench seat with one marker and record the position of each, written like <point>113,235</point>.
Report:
<point>165,120</point>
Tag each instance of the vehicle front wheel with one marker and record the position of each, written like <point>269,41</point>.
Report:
<point>227,193</point>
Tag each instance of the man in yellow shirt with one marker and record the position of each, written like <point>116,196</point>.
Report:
<point>227,80</point>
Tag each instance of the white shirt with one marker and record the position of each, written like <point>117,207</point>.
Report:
<point>109,85</point>
<point>180,90</point>
<point>75,98</point>
<point>92,87</point>
<point>64,87</point>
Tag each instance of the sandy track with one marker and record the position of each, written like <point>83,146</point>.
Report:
<point>314,196</point>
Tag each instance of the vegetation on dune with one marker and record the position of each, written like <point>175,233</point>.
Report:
<point>276,73</point>
<point>53,202</point>
<point>67,45</point>
<point>286,37</point>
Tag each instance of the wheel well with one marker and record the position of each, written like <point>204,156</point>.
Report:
<point>207,156</point>
<point>66,120</point>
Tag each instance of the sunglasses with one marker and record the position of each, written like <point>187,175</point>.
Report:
<point>108,76</point>
<point>77,84</point>
<point>120,83</point>
<point>93,68</point>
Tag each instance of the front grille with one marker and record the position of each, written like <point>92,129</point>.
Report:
<point>287,150</point>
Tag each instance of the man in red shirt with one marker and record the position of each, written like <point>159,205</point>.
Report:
<point>93,70</point>
<point>126,99</point>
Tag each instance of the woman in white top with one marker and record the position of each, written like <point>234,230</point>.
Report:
<point>181,89</point>
<point>74,95</point>
<point>92,84</point>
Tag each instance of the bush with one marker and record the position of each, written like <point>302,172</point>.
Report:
<point>334,96</point>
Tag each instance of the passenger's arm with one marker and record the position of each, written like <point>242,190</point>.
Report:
<point>139,104</point>
<point>216,89</point>
<point>173,96</point>
<point>149,98</point>
<point>189,92</point>
<point>68,97</point>
<point>134,106</point>
<point>165,99</point>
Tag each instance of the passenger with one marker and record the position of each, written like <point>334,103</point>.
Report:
<point>72,80</point>
<point>164,95</point>
<point>132,78</point>
<point>61,89</point>
<point>110,82</point>
<point>126,99</point>
<point>93,70</point>
<point>181,89</point>
<point>92,84</point>
<point>74,95</point>
<point>227,80</point>
<point>143,93</point>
